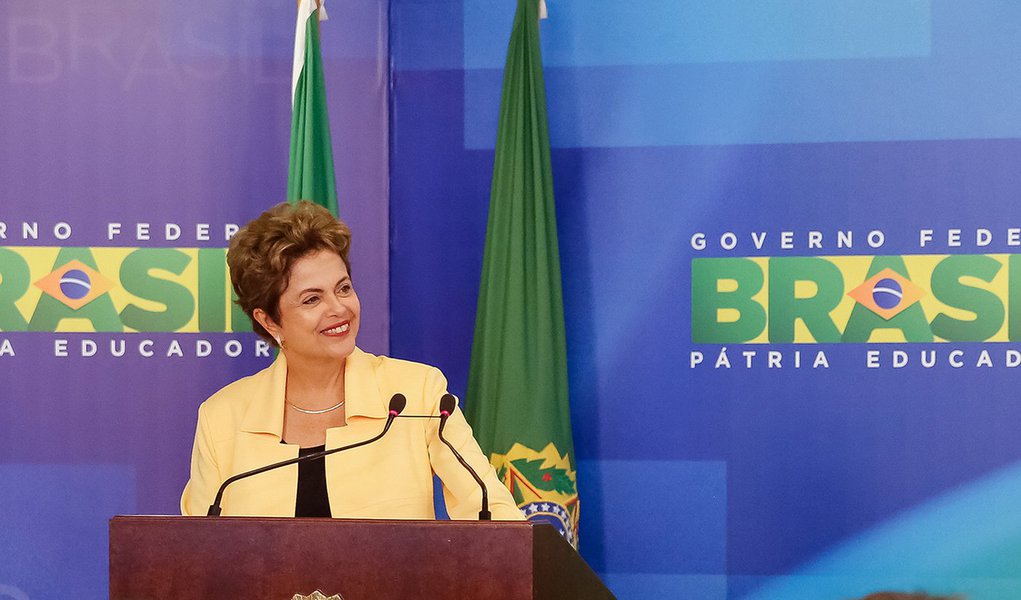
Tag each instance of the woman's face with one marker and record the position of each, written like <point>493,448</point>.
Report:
<point>319,310</point>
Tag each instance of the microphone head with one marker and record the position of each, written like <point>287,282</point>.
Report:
<point>447,404</point>
<point>397,404</point>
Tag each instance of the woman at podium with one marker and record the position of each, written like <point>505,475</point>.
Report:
<point>292,277</point>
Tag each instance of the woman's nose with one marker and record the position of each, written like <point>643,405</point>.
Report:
<point>336,304</point>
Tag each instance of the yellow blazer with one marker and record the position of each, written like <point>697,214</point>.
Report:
<point>240,428</point>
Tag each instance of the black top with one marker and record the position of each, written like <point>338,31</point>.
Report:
<point>312,499</point>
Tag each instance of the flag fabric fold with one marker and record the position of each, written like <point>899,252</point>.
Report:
<point>310,174</point>
<point>517,398</point>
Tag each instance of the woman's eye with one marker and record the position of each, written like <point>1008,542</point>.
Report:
<point>346,289</point>
<point>310,300</point>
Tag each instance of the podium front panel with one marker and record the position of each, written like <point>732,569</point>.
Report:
<point>233,557</point>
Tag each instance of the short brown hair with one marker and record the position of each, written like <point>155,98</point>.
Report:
<point>262,252</point>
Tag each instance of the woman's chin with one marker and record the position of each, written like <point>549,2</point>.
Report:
<point>341,348</point>
<point>322,352</point>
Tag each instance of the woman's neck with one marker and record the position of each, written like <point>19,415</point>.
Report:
<point>314,383</point>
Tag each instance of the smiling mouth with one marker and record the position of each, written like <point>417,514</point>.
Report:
<point>337,330</point>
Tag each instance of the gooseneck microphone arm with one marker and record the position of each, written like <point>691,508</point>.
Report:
<point>397,404</point>
<point>447,404</point>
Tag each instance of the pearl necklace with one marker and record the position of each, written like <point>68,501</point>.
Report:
<point>315,412</point>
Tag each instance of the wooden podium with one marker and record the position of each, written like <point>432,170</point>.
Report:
<point>275,558</point>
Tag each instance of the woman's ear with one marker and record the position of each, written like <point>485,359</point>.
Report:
<point>267,323</point>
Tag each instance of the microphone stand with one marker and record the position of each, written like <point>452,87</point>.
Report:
<point>447,403</point>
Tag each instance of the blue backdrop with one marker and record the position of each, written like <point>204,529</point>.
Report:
<point>700,477</point>
<point>674,118</point>
<point>117,120</point>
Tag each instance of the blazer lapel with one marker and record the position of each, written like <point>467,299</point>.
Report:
<point>258,443</point>
<point>366,412</point>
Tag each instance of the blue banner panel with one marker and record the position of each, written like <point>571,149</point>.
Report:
<point>791,281</point>
<point>605,32</point>
<point>758,72</point>
<point>135,139</point>
<point>642,544</point>
<point>648,586</point>
<point>55,523</point>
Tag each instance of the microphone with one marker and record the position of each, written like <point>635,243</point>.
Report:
<point>397,404</point>
<point>447,405</point>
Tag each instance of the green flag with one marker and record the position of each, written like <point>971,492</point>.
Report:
<point>310,176</point>
<point>517,397</point>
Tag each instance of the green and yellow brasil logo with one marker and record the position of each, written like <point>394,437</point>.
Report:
<point>117,290</point>
<point>856,299</point>
<point>543,484</point>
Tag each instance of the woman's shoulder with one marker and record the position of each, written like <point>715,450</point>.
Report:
<point>421,384</point>
<point>398,367</point>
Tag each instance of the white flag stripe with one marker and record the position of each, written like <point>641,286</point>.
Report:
<point>305,10</point>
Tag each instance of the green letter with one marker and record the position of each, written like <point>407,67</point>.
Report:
<point>814,311</point>
<point>212,290</point>
<point>948,289</point>
<point>1014,297</point>
<point>707,300</point>
<point>239,321</point>
<point>911,321</point>
<point>50,311</point>
<point>139,281</point>
<point>14,281</point>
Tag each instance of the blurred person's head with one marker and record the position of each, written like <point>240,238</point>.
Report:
<point>909,596</point>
